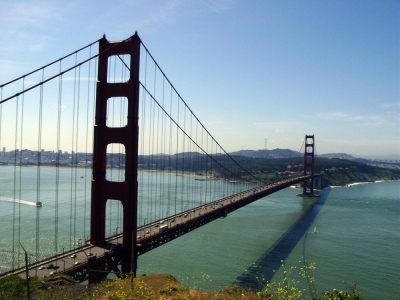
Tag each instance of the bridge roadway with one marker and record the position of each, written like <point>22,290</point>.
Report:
<point>79,262</point>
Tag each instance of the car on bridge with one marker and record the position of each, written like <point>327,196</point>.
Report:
<point>164,227</point>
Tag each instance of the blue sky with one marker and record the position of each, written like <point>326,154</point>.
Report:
<point>250,70</point>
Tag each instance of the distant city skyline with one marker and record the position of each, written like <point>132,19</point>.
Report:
<point>249,70</point>
<point>338,155</point>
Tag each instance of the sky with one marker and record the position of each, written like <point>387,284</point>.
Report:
<point>256,73</point>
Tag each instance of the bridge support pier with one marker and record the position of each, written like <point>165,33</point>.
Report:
<point>308,185</point>
<point>103,189</point>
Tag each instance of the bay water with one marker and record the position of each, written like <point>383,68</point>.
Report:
<point>356,243</point>
<point>350,233</point>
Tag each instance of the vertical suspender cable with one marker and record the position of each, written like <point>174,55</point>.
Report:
<point>192,157</point>
<point>152,146</point>
<point>157,152</point>
<point>15,179</point>
<point>94,94</point>
<point>75,164</point>
<point>197,162</point>
<point>150,184</point>
<point>142,149</point>
<point>146,131</point>
<point>60,87</point>
<point>170,154</point>
<point>20,163</point>
<point>38,168</point>
<point>71,235</point>
<point>86,144</point>
<point>150,188</point>
<point>152,150</point>
<point>163,134</point>
<point>183,159</point>
<point>177,158</point>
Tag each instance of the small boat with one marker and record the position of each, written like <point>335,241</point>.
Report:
<point>315,230</point>
<point>81,176</point>
<point>38,204</point>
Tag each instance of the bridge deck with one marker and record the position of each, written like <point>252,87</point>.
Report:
<point>152,235</point>
<point>158,233</point>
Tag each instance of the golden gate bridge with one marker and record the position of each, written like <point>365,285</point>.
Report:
<point>130,168</point>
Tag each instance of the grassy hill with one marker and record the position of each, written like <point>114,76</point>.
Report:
<point>336,172</point>
<point>152,287</point>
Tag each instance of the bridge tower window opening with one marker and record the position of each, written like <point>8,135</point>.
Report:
<point>115,162</point>
<point>118,68</point>
<point>117,112</point>
<point>114,218</point>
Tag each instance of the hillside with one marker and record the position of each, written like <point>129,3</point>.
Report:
<point>157,287</point>
<point>336,172</point>
<point>264,153</point>
<point>337,168</point>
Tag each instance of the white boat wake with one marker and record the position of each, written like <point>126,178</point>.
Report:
<point>6,199</point>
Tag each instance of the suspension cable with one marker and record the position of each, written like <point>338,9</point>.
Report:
<point>180,128</point>
<point>172,86</point>
<point>57,75</point>
<point>52,63</point>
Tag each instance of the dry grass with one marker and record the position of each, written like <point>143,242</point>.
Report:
<point>153,287</point>
<point>166,287</point>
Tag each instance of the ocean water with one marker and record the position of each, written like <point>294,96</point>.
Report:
<point>63,221</point>
<point>357,239</point>
<point>357,242</point>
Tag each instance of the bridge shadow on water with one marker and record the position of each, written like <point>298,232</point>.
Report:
<point>271,260</point>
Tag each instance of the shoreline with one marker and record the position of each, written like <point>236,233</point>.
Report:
<point>190,174</point>
<point>359,183</point>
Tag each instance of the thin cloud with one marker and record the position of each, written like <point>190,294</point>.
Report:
<point>22,21</point>
<point>280,124</point>
<point>361,120</point>
<point>34,14</point>
<point>89,79</point>
<point>56,106</point>
<point>219,5</point>
<point>332,116</point>
<point>164,12</point>
<point>390,105</point>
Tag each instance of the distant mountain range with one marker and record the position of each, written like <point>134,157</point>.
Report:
<point>382,161</point>
<point>275,153</point>
<point>283,153</point>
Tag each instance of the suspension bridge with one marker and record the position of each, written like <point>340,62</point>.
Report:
<point>108,162</point>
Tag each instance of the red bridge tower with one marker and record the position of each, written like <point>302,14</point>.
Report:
<point>104,190</point>
<point>308,186</point>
